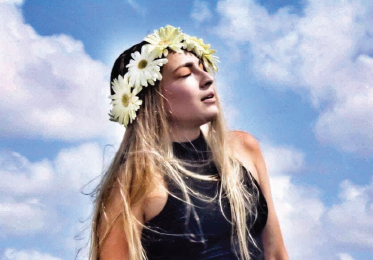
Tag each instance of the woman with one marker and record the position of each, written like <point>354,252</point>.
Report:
<point>181,186</point>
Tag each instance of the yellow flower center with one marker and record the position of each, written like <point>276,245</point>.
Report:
<point>142,64</point>
<point>126,100</point>
<point>164,42</point>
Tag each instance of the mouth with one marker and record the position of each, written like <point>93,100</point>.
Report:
<point>211,95</point>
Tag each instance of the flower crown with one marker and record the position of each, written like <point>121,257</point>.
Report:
<point>144,69</point>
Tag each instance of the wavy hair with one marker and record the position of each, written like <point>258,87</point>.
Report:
<point>146,150</point>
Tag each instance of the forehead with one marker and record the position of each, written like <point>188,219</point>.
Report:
<point>176,59</point>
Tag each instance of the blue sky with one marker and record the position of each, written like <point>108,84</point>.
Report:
<point>295,74</point>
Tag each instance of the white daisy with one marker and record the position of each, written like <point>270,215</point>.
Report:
<point>210,61</point>
<point>194,44</point>
<point>144,69</point>
<point>202,50</point>
<point>168,37</point>
<point>125,103</point>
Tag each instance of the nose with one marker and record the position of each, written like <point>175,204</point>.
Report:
<point>207,80</point>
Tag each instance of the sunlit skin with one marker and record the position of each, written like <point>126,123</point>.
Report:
<point>184,84</point>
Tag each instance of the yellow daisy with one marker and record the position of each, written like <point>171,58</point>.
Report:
<point>202,50</point>
<point>210,61</point>
<point>167,37</point>
<point>125,103</point>
<point>195,45</point>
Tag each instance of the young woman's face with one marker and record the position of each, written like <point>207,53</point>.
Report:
<point>186,85</point>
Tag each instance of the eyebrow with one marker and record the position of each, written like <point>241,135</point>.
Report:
<point>187,64</point>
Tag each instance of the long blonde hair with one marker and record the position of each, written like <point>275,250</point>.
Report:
<point>146,149</point>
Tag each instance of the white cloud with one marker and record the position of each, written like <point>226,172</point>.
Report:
<point>20,177</point>
<point>311,229</point>
<point>299,208</point>
<point>77,165</point>
<point>200,12</point>
<point>12,2</point>
<point>35,195</point>
<point>282,160</point>
<point>344,256</point>
<point>50,87</point>
<point>14,254</point>
<point>353,215</point>
<point>28,217</point>
<point>16,2</point>
<point>300,211</point>
<point>349,125</point>
<point>325,51</point>
<point>69,171</point>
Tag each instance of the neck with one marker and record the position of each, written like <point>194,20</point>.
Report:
<point>184,134</point>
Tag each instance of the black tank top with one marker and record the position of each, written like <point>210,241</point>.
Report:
<point>206,234</point>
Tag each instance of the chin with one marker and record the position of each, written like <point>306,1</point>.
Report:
<point>211,117</point>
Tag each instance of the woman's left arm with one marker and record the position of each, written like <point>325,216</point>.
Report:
<point>273,243</point>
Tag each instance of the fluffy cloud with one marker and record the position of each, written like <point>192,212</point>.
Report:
<point>344,256</point>
<point>16,2</point>
<point>13,254</point>
<point>69,171</point>
<point>358,202</point>
<point>300,211</point>
<point>20,218</point>
<point>349,124</point>
<point>35,196</point>
<point>296,205</point>
<point>291,159</point>
<point>20,177</point>
<point>326,51</point>
<point>311,229</point>
<point>200,12</point>
<point>50,87</point>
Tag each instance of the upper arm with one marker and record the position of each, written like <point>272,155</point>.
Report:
<point>273,243</point>
<point>115,244</point>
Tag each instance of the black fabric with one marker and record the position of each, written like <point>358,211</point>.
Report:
<point>206,234</point>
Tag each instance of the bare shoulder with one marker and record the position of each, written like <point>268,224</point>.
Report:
<point>244,140</point>
<point>247,151</point>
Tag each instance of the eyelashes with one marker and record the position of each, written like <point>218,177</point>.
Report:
<point>190,65</point>
<point>200,66</point>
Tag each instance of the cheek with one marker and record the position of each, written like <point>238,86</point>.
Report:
<point>178,94</point>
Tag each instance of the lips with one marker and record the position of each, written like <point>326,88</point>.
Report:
<point>208,96</point>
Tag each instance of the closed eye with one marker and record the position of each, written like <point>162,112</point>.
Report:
<point>187,75</point>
